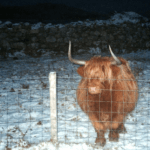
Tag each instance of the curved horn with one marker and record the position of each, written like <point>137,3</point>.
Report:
<point>115,58</point>
<point>79,62</point>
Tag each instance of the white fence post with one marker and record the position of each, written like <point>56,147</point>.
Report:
<point>53,105</point>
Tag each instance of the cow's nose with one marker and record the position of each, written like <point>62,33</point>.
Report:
<point>92,89</point>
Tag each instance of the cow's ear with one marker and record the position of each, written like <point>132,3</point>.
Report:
<point>80,71</point>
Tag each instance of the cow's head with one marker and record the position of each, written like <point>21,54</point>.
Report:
<point>98,71</point>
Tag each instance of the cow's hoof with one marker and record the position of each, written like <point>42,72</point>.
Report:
<point>113,139</point>
<point>113,136</point>
<point>100,142</point>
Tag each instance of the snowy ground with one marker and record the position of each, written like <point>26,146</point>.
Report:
<point>25,105</point>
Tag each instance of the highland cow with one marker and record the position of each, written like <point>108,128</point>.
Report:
<point>107,92</point>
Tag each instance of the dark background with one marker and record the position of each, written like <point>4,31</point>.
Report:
<point>59,11</point>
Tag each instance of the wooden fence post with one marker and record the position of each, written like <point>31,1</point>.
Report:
<point>53,105</point>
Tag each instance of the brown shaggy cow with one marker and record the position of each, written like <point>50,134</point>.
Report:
<point>107,92</point>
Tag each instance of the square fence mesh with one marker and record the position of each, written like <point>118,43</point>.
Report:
<point>25,106</point>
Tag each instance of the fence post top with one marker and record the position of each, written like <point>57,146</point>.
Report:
<point>52,73</point>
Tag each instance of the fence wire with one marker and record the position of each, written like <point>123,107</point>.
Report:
<point>25,107</point>
<point>75,126</point>
<point>25,117</point>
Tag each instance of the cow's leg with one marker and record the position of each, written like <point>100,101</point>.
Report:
<point>113,135</point>
<point>116,127</point>
<point>100,140</point>
<point>121,128</point>
<point>100,129</point>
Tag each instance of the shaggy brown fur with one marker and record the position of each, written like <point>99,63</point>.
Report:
<point>107,93</point>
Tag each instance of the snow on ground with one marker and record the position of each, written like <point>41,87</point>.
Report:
<point>25,105</point>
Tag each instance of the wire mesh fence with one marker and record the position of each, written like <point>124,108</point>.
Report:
<point>24,113</point>
<point>75,126</point>
<point>25,107</point>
